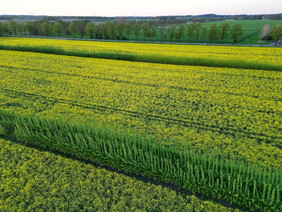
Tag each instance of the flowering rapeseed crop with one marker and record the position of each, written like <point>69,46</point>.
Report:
<point>33,180</point>
<point>218,56</point>
<point>228,109</point>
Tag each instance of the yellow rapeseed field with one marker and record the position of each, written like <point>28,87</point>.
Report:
<point>228,109</point>
<point>177,52</point>
<point>34,180</point>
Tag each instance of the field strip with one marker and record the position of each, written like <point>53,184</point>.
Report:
<point>141,84</point>
<point>148,58</point>
<point>227,130</point>
<point>134,63</point>
<point>200,171</point>
<point>49,171</point>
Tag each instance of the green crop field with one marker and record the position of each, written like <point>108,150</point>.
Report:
<point>252,29</point>
<point>210,128</point>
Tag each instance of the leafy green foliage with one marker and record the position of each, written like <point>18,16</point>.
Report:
<point>236,32</point>
<point>2,130</point>
<point>276,32</point>
<point>228,176</point>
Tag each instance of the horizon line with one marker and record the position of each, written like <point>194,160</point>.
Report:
<point>140,15</point>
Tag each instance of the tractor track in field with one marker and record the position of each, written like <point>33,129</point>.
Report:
<point>205,72</point>
<point>142,84</point>
<point>260,137</point>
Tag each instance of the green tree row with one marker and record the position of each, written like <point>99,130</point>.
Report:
<point>214,32</point>
<point>121,30</point>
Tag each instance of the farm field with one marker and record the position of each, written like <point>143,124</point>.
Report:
<point>37,180</point>
<point>195,105</point>
<point>230,110</point>
<point>216,56</point>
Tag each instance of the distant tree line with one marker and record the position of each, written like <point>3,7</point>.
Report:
<point>201,33</point>
<point>136,30</point>
<point>273,16</point>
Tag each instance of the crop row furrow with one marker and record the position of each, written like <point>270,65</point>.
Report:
<point>260,137</point>
<point>144,84</point>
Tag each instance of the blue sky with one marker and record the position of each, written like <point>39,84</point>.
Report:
<point>138,7</point>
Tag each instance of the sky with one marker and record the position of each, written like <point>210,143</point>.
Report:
<point>138,7</point>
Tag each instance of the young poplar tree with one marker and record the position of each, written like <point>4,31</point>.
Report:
<point>236,32</point>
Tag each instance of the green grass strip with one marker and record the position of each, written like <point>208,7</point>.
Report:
<point>228,177</point>
<point>150,58</point>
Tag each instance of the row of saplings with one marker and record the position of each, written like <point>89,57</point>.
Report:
<point>122,30</point>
